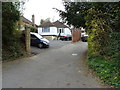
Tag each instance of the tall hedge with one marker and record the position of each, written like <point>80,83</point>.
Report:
<point>11,42</point>
<point>102,22</point>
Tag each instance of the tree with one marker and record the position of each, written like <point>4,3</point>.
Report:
<point>44,20</point>
<point>10,16</point>
<point>75,12</point>
<point>11,37</point>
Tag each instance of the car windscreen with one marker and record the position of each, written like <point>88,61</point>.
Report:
<point>38,36</point>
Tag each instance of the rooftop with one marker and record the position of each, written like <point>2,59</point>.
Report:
<point>57,24</point>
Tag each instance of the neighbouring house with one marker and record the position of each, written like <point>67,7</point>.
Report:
<point>51,30</point>
<point>25,22</point>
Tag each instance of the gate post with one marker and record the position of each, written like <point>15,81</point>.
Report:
<point>27,39</point>
<point>76,34</point>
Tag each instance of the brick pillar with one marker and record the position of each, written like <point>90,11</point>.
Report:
<point>76,35</point>
<point>77,39</point>
<point>73,36</point>
<point>27,39</point>
<point>79,34</point>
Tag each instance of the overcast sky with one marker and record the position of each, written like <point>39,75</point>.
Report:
<point>42,9</point>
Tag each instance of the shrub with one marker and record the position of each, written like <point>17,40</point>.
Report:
<point>107,70</point>
<point>32,29</point>
<point>11,43</point>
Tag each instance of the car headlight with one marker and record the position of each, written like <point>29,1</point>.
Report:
<point>45,42</point>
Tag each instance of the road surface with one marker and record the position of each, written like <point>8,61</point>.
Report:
<point>57,67</point>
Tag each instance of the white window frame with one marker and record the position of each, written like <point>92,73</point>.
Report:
<point>46,29</point>
<point>60,30</point>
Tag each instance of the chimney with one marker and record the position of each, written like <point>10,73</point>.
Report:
<point>33,20</point>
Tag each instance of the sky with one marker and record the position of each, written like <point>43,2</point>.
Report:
<point>42,9</point>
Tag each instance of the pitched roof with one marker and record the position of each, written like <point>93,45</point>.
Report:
<point>47,24</point>
<point>27,21</point>
<point>59,25</point>
<point>55,24</point>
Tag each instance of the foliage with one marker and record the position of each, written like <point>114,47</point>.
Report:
<point>102,21</point>
<point>32,29</point>
<point>11,37</point>
<point>106,70</point>
<point>10,15</point>
<point>98,29</point>
<point>44,20</point>
<point>73,13</point>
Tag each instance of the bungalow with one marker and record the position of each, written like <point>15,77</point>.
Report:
<point>52,30</point>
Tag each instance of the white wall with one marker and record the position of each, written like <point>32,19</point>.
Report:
<point>67,31</point>
<point>39,30</point>
<point>53,31</point>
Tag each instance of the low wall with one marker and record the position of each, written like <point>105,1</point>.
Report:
<point>50,37</point>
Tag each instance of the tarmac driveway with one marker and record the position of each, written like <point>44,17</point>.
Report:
<point>54,44</point>
<point>61,67</point>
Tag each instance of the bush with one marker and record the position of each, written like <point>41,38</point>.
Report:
<point>12,46</point>
<point>32,29</point>
<point>104,48</point>
<point>13,51</point>
<point>106,70</point>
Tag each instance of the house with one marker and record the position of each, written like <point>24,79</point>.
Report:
<point>52,30</point>
<point>25,22</point>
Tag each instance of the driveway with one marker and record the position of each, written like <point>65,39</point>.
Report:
<point>60,67</point>
<point>54,44</point>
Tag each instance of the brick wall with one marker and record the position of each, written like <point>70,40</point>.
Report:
<point>76,35</point>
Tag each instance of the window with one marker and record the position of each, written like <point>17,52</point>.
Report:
<point>46,29</point>
<point>60,30</point>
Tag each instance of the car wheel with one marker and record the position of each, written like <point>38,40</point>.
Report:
<point>40,45</point>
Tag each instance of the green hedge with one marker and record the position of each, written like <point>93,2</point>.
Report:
<point>107,70</point>
<point>104,48</point>
<point>12,45</point>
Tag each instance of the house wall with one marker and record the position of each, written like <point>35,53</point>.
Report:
<point>49,35</point>
<point>53,31</point>
<point>67,31</point>
<point>22,24</point>
<point>39,30</point>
